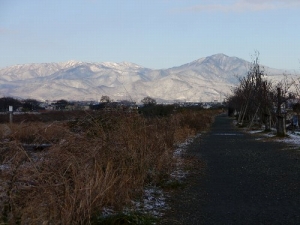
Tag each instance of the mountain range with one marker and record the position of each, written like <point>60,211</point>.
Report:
<point>206,79</point>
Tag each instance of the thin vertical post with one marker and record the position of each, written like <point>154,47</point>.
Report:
<point>10,111</point>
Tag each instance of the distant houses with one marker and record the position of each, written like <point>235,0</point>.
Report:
<point>32,105</point>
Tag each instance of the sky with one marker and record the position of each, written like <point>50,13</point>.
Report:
<point>156,34</point>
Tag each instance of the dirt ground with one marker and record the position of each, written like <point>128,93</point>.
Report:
<point>239,180</point>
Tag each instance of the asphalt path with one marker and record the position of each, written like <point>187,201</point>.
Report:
<point>240,180</point>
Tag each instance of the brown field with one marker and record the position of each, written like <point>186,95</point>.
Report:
<point>66,167</point>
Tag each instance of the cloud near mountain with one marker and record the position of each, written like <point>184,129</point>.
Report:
<point>206,79</point>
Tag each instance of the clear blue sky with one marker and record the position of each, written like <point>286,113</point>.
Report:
<point>152,33</point>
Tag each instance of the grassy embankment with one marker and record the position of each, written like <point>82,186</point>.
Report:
<point>96,160</point>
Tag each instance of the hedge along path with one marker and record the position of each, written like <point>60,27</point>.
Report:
<point>243,181</point>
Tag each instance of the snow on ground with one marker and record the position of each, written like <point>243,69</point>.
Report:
<point>153,202</point>
<point>179,173</point>
<point>292,138</point>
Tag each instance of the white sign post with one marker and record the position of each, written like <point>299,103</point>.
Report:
<point>10,109</point>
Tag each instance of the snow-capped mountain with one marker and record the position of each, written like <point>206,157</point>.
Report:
<point>205,79</point>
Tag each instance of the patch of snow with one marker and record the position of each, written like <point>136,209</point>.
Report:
<point>107,212</point>
<point>153,202</point>
<point>255,131</point>
<point>4,167</point>
<point>293,139</point>
<point>179,173</point>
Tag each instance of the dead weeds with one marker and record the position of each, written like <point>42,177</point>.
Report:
<point>91,163</point>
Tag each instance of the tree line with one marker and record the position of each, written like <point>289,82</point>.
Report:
<point>27,105</point>
<point>261,100</point>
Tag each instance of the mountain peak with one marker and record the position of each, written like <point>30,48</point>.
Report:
<point>129,64</point>
<point>70,63</point>
<point>209,59</point>
<point>120,65</point>
<point>219,55</point>
<point>216,64</point>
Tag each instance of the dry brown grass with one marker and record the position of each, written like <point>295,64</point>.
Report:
<point>100,160</point>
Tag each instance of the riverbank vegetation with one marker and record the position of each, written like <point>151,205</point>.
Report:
<point>70,171</point>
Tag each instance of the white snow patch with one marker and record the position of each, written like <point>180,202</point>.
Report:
<point>4,167</point>
<point>153,202</point>
<point>179,173</point>
<point>255,131</point>
<point>292,138</point>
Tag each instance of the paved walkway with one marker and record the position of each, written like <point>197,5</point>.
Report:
<point>244,181</point>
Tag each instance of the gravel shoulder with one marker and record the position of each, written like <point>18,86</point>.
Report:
<point>239,180</point>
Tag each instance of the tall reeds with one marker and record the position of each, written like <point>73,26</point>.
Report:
<point>99,160</point>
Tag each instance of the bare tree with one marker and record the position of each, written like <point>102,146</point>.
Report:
<point>261,99</point>
<point>282,94</point>
<point>255,96</point>
<point>253,93</point>
<point>105,98</point>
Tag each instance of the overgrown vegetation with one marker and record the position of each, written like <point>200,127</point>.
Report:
<point>93,161</point>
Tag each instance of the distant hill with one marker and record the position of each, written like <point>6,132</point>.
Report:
<point>206,79</point>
